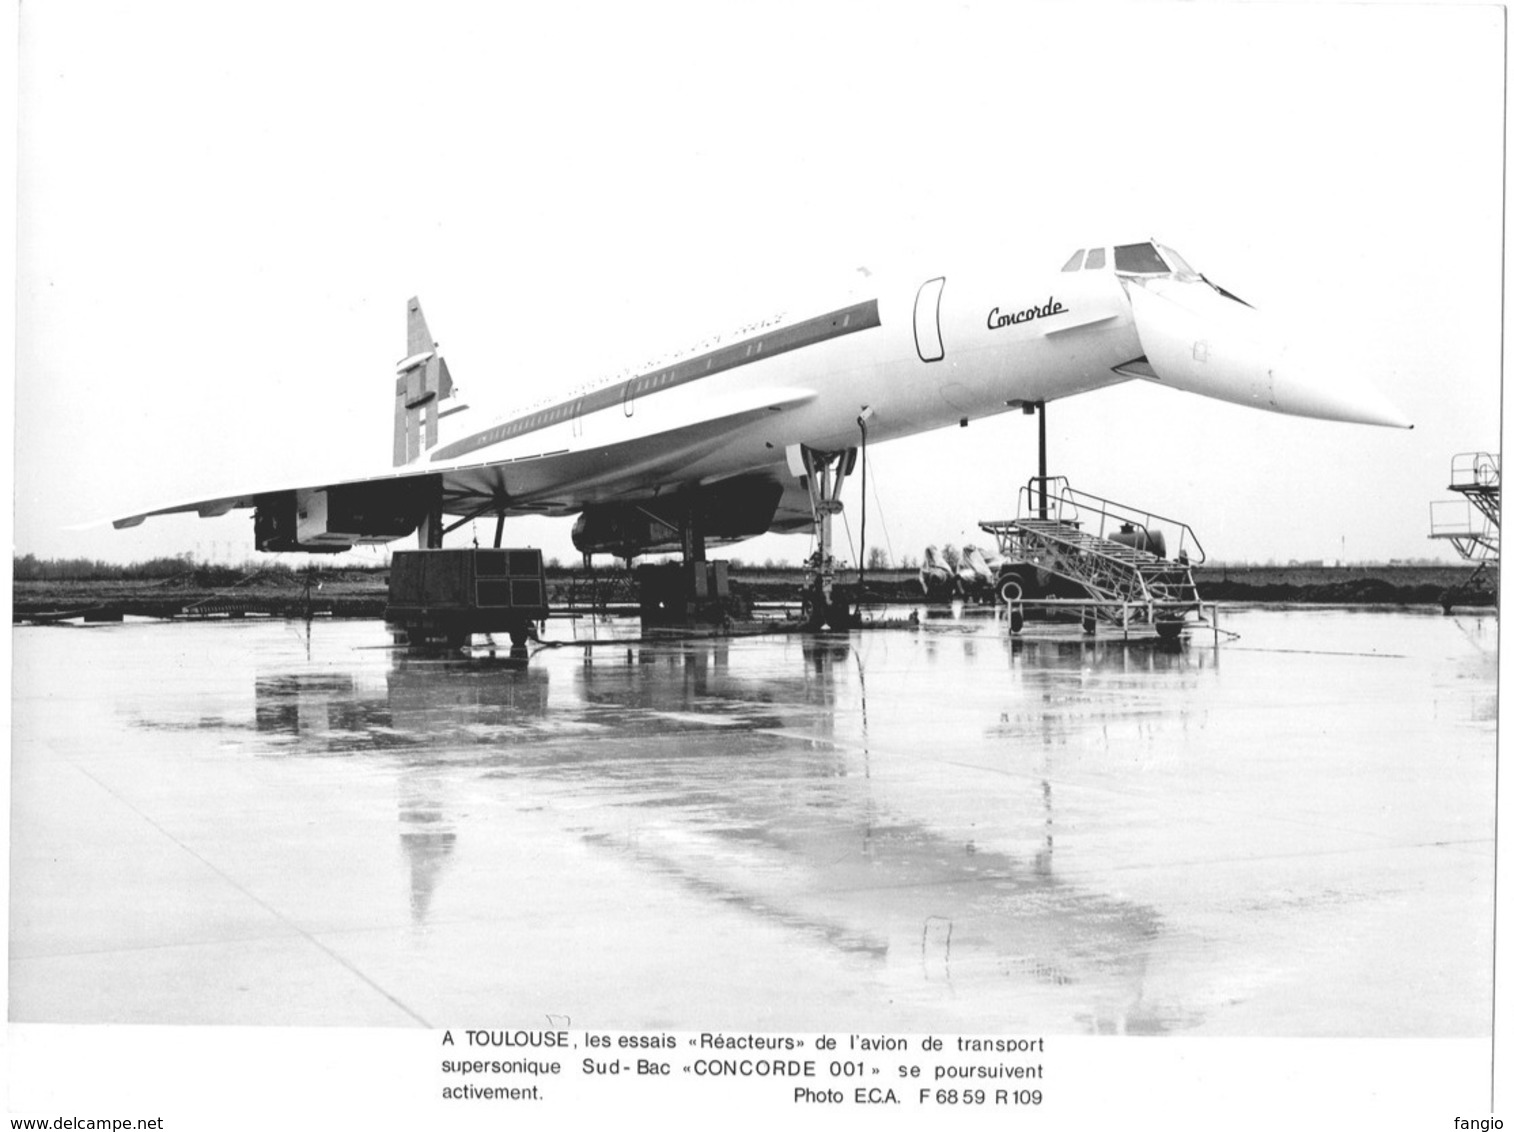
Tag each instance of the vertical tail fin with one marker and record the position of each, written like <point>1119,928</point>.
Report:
<point>422,383</point>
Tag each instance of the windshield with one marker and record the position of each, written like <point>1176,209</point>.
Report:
<point>1138,259</point>
<point>1179,264</point>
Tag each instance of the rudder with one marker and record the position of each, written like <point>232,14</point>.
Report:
<point>422,383</point>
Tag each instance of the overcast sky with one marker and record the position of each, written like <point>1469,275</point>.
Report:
<point>224,208</point>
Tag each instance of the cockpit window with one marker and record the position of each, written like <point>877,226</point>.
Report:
<point>1075,262</point>
<point>1138,259</point>
<point>1179,264</point>
<point>1095,259</point>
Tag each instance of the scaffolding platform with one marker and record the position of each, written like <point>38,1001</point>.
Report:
<point>1471,523</point>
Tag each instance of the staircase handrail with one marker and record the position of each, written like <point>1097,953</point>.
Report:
<point>1463,520</point>
<point>1475,470</point>
<point>1065,504</point>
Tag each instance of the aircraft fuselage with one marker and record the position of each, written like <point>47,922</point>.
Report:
<point>922,354</point>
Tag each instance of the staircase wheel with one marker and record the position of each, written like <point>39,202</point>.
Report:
<point>1169,630</point>
<point>1015,585</point>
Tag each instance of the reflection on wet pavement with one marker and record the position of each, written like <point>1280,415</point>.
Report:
<point>934,828</point>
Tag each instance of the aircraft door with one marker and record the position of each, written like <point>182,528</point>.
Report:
<point>628,401</point>
<point>928,320</point>
<point>578,417</point>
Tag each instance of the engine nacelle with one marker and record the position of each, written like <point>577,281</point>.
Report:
<point>725,512</point>
<point>331,520</point>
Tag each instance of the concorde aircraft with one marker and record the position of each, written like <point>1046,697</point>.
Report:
<point>754,430</point>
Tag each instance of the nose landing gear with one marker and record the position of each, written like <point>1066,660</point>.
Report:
<point>825,604</point>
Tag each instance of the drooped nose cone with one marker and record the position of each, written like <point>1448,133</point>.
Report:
<point>1304,390</point>
<point>1201,341</point>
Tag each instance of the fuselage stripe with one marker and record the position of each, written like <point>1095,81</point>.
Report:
<point>779,340</point>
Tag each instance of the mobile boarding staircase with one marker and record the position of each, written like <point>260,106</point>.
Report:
<point>1471,522</point>
<point>1114,554</point>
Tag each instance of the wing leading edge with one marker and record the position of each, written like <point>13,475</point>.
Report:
<point>336,515</point>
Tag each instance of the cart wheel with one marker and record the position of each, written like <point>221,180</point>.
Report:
<point>1169,630</point>
<point>1015,585</point>
<point>1090,622</point>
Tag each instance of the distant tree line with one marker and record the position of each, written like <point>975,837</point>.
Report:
<point>30,568</point>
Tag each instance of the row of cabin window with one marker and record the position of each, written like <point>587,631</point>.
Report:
<point>641,385</point>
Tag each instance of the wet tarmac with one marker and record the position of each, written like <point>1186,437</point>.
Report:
<point>927,829</point>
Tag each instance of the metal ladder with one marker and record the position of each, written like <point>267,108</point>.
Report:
<point>1068,534</point>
